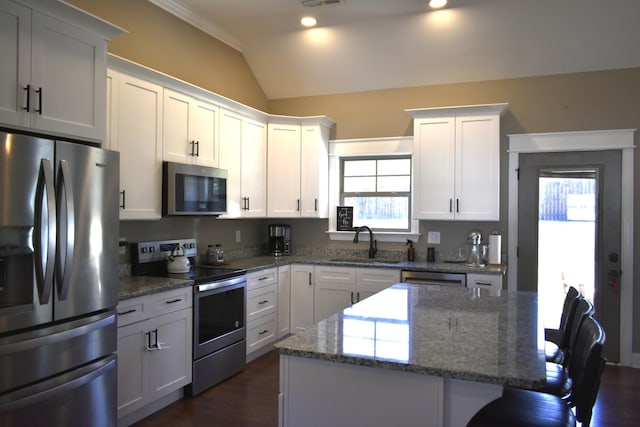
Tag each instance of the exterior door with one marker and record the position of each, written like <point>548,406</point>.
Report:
<point>605,167</point>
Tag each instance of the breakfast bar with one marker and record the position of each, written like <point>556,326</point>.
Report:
<point>411,355</point>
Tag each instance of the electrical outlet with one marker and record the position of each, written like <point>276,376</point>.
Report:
<point>238,236</point>
<point>433,237</point>
<point>122,245</point>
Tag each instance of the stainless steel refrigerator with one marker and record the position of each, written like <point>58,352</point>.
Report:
<point>58,282</point>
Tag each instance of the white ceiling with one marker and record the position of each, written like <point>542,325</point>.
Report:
<point>362,45</point>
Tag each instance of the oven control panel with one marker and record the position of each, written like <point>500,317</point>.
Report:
<point>159,250</point>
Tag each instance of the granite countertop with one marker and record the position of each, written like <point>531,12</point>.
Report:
<point>135,286</point>
<point>262,262</point>
<point>451,332</point>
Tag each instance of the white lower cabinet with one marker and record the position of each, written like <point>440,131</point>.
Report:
<point>154,350</point>
<point>337,288</point>
<point>262,310</point>
<point>284,300</point>
<point>301,297</point>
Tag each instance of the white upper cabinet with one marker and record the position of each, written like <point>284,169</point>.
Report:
<point>53,69</point>
<point>283,170</point>
<point>457,163</point>
<point>135,129</point>
<point>243,153</point>
<point>189,130</point>
<point>314,180</point>
<point>298,168</point>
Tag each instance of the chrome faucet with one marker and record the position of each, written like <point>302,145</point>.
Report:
<point>373,244</point>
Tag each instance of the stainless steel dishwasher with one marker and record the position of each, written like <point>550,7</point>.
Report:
<point>433,278</point>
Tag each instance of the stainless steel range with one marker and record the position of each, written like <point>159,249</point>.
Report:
<point>219,309</point>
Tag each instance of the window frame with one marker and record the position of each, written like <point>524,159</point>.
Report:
<point>408,194</point>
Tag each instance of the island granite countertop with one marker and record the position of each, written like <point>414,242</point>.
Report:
<point>457,333</point>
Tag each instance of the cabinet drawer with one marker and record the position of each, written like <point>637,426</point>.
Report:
<point>493,282</point>
<point>261,332</point>
<point>262,278</point>
<point>335,275</point>
<point>170,301</point>
<point>261,301</point>
<point>382,276</point>
<point>133,310</point>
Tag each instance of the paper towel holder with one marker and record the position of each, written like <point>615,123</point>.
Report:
<point>495,248</point>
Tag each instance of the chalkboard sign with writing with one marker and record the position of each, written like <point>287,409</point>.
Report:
<point>345,218</point>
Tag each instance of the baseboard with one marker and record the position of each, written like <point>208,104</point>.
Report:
<point>635,360</point>
<point>151,408</point>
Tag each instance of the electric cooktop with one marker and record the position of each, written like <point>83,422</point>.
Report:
<point>150,259</point>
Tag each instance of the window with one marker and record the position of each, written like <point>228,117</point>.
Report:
<point>379,189</point>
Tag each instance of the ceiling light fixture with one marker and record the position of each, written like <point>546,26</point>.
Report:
<point>436,4</point>
<point>308,21</point>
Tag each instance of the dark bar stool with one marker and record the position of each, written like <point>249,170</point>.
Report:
<point>557,340</point>
<point>526,408</point>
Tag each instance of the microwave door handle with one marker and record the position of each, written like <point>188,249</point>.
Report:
<point>66,229</point>
<point>44,231</point>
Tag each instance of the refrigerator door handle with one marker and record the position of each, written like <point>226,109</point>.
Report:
<point>66,230</point>
<point>44,231</point>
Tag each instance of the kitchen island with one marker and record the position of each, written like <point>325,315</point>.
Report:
<point>411,355</point>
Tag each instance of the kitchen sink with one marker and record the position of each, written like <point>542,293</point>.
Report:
<point>364,260</point>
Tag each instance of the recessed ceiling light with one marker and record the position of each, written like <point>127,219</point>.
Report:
<point>308,21</point>
<point>435,4</point>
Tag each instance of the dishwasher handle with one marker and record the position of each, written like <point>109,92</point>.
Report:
<point>434,278</point>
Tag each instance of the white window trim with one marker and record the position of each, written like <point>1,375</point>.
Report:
<point>365,147</point>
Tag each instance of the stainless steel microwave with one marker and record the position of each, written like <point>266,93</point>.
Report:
<point>193,190</point>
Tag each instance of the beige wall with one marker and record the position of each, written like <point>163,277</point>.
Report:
<point>583,101</point>
<point>165,43</point>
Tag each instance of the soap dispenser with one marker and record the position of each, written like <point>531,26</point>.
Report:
<point>411,252</point>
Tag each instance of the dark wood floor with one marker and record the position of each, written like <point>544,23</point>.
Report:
<point>249,399</point>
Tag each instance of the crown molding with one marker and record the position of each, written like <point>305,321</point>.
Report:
<point>178,9</point>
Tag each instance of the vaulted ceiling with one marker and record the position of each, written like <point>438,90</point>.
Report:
<point>361,45</point>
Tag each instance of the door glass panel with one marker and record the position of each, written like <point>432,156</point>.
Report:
<point>566,238</point>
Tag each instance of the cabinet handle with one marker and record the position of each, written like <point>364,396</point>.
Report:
<point>248,204</point>
<point>197,148</point>
<point>357,296</point>
<point>151,347</point>
<point>263,332</point>
<point>133,310</point>
<point>27,89</point>
<point>315,205</point>
<point>450,205</point>
<point>298,208</point>
<point>309,279</point>
<point>457,205</point>
<point>263,302</point>
<point>173,301</point>
<point>39,92</point>
<point>263,278</point>
<point>192,143</point>
<point>122,206</point>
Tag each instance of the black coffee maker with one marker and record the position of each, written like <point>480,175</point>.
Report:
<point>279,240</point>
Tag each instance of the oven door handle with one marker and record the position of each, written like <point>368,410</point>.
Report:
<point>217,285</point>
